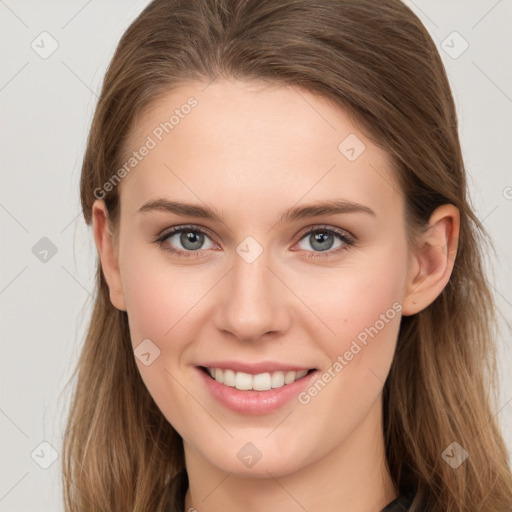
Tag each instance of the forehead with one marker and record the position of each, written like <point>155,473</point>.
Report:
<point>253,144</point>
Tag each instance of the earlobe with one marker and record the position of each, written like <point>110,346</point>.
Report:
<point>432,260</point>
<point>107,253</point>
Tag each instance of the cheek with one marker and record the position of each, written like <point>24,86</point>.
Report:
<point>363,309</point>
<point>160,303</point>
<point>361,306</point>
<point>150,312</point>
<point>158,295</point>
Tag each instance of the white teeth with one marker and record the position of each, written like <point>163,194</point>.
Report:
<point>218,375</point>
<point>289,377</point>
<point>229,378</point>
<point>301,373</point>
<point>262,382</point>
<point>277,380</point>
<point>259,382</point>
<point>242,380</point>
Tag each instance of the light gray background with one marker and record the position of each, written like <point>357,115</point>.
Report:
<point>46,110</point>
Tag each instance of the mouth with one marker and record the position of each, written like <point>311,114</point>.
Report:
<point>254,394</point>
<point>258,382</point>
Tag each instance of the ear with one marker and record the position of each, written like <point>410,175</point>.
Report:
<point>108,253</point>
<point>432,260</point>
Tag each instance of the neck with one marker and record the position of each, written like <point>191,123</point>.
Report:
<point>353,477</point>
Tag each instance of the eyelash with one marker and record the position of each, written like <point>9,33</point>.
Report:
<point>341,235</point>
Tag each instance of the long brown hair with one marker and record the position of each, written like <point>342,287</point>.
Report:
<point>377,61</point>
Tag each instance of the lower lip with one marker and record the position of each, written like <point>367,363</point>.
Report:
<point>255,402</point>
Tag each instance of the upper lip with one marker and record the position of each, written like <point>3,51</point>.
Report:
<point>255,368</point>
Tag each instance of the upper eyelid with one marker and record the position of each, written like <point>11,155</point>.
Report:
<point>177,229</point>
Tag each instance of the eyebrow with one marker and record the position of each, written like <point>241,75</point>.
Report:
<point>330,207</point>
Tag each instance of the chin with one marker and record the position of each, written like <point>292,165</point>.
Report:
<point>257,459</point>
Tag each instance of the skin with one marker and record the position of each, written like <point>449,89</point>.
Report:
<point>252,152</point>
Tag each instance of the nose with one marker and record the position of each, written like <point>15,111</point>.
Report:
<point>253,301</point>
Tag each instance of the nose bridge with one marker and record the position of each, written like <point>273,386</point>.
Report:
<point>253,302</point>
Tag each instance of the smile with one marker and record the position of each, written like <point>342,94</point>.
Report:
<point>254,393</point>
<point>259,382</point>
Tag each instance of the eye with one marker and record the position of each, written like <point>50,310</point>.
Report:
<point>322,240</point>
<point>191,238</point>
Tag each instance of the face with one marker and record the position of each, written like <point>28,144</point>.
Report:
<point>266,286</point>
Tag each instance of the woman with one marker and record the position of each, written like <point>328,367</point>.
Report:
<point>291,310</point>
